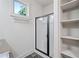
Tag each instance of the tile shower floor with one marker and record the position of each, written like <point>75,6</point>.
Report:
<point>34,55</point>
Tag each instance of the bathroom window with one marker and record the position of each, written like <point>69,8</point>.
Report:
<point>20,8</point>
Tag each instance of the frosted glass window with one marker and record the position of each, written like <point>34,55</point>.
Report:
<point>20,8</point>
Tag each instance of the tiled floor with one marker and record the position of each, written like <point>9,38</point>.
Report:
<point>34,55</point>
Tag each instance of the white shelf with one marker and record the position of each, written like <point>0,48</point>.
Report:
<point>69,21</point>
<point>21,18</point>
<point>71,4</point>
<point>68,53</point>
<point>69,37</point>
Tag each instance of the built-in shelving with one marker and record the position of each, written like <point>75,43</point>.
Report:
<point>69,37</point>
<point>68,53</point>
<point>70,21</point>
<point>70,4</point>
<point>69,28</point>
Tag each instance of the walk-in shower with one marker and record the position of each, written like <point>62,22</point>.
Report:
<point>44,35</point>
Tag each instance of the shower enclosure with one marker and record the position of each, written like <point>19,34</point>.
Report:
<point>44,34</point>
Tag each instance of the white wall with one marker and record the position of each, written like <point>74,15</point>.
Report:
<point>20,36</point>
<point>48,9</point>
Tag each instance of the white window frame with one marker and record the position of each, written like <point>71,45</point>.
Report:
<point>27,7</point>
<point>20,17</point>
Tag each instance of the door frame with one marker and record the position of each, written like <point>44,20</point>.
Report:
<point>48,41</point>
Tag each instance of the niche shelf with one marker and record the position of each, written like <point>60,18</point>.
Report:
<point>69,37</point>
<point>70,4</point>
<point>68,53</point>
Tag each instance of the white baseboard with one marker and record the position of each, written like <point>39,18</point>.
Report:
<point>25,54</point>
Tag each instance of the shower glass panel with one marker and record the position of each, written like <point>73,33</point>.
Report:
<point>51,35</point>
<point>42,34</point>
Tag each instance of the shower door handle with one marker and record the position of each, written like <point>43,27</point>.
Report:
<point>48,44</point>
<point>47,36</point>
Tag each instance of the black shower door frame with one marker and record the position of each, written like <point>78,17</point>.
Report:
<point>48,41</point>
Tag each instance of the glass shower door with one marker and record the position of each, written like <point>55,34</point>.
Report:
<point>44,34</point>
<point>41,32</point>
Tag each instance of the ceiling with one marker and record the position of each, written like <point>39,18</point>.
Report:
<point>44,2</point>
